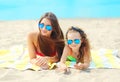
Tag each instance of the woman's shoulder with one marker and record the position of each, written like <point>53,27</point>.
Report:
<point>32,34</point>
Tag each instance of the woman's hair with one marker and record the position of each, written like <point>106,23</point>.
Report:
<point>56,40</point>
<point>85,46</point>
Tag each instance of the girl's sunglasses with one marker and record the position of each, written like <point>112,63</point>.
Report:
<point>76,41</point>
<point>47,27</point>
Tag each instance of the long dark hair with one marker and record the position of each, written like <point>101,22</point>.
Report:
<point>85,46</point>
<point>56,40</point>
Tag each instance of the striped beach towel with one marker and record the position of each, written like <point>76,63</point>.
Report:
<point>105,58</point>
<point>17,57</point>
<point>102,58</point>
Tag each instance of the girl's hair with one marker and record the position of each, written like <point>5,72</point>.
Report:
<point>85,46</point>
<point>56,40</point>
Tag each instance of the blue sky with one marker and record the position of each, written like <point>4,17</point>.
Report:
<point>33,9</point>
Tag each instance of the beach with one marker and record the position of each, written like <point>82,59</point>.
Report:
<point>102,33</point>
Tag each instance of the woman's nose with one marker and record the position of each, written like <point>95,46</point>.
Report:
<point>44,28</point>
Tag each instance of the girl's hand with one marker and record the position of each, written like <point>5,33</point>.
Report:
<point>62,68</point>
<point>79,66</point>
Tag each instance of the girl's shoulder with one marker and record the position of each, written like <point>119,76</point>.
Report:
<point>68,49</point>
<point>70,56</point>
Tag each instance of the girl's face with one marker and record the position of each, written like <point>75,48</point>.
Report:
<point>74,40</point>
<point>45,27</point>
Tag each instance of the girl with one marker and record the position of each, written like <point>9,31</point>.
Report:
<point>77,49</point>
<point>47,44</point>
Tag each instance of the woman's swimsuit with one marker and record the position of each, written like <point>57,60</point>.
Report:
<point>51,65</point>
<point>40,54</point>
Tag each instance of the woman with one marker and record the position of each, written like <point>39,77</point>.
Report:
<point>46,46</point>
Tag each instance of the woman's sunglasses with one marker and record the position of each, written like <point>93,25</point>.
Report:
<point>76,41</point>
<point>47,27</point>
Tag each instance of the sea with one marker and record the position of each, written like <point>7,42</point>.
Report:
<point>33,9</point>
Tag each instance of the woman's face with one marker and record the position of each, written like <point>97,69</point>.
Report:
<point>45,27</point>
<point>74,40</point>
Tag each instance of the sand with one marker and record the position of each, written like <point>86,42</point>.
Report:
<point>102,33</point>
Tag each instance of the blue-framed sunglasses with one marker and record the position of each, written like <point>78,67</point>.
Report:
<point>47,27</point>
<point>76,41</point>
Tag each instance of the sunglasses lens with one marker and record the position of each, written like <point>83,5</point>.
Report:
<point>77,41</point>
<point>48,27</point>
<point>41,25</point>
<point>69,41</point>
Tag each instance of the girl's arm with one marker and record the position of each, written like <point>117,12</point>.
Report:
<point>65,54</point>
<point>87,60</point>
<point>86,63</point>
<point>62,65</point>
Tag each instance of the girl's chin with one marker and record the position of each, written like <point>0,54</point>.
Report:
<point>74,48</point>
<point>45,35</point>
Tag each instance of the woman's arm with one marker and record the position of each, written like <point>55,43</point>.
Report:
<point>32,39</point>
<point>39,61</point>
<point>52,59</point>
<point>31,46</point>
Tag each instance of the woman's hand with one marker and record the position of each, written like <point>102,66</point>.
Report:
<point>40,61</point>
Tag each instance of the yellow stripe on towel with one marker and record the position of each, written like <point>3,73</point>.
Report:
<point>4,52</point>
<point>97,59</point>
<point>112,59</point>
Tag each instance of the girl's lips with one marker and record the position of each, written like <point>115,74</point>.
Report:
<point>73,45</point>
<point>43,31</point>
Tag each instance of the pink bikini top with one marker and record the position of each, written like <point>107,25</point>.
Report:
<point>40,54</point>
